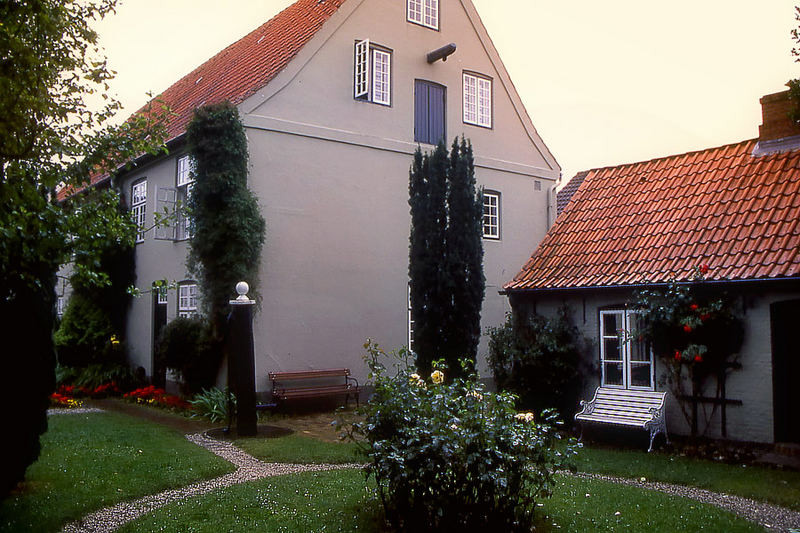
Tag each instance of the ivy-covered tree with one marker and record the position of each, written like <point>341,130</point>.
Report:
<point>49,67</point>
<point>227,226</point>
<point>445,255</point>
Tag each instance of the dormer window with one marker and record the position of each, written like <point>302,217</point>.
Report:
<point>424,12</point>
<point>372,80</point>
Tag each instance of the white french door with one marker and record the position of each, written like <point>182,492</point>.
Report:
<point>626,361</point>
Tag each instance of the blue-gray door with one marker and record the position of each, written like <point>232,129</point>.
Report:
<point>429,112</point>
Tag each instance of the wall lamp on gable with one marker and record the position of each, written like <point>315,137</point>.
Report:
<point>441,53</point>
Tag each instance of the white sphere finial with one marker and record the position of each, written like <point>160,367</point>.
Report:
<point>241,289</point>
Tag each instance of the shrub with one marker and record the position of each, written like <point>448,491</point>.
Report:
<point>185,347</point>
<point>540,360</point>
<point>452,455</point>
<point>213,403</point>
<point>85,335</point>
<point>96,375</point>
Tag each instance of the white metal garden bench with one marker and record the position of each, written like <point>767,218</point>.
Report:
<point>624,407</point>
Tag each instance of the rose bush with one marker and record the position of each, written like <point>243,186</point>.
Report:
<point>449,454</point>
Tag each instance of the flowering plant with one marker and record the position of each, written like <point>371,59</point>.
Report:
<point>449,454</point>
<point>152,395</point>
<point>694,329</point>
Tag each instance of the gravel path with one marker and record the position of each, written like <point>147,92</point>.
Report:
<point>248,469</point>
<point>72,410</point>
<point>771,517</point>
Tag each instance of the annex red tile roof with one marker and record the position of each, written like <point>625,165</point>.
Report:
<point>565,194</point>
<point>654,221</point>
<point>244,67</point>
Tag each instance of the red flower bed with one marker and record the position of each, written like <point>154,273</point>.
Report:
<point>153,395</point>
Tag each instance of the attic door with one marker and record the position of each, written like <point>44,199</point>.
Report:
<point>429,112</point>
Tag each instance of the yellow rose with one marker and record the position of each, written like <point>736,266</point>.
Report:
<point>437,377</point>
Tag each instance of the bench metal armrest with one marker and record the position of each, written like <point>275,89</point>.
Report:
<point>348,379</point>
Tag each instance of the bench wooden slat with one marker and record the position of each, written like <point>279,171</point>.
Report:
<point>625,407</point>
<point>309,374</point>
<point>323,387</point>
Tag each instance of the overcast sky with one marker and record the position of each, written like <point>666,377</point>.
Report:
<point>605,82</point>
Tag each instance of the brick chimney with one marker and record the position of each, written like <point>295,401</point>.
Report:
<point>776,123</point>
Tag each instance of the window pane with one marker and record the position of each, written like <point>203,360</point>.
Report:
<point>611,324</point>
<point>640,351</point>
<point>415,11</point>
<point>613,374</point>
<point>611,349</point>
<point>470,99</point>
<point>640,375</point>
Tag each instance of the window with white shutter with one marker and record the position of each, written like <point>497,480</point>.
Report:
<point>139,207</point>
<point>372,73</point>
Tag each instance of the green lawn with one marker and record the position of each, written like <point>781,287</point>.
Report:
<point>765,484</point>
<point>296,448</point>
<point>90,461</point>
<point>339,501</point>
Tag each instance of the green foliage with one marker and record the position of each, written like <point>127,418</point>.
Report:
<point>445,255</point>
<point>49,135</point>
<point>696,330</point>
<point>452,455</point>
<point>85,335</point>
<point>97,374</point>
<point>213,403</point>
<point>228,229</point>
<point>185,346</point>
<point>540,360</point>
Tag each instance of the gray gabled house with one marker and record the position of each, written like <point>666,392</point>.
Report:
<point>335,96</point>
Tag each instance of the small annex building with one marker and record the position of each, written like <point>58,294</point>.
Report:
<point>735,208</point>
<point>335,97</point>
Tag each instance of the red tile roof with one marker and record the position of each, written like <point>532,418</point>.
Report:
<point>247,65</point>
<point>244,67</point>
<point>653,221</point>
<point>565,194</point>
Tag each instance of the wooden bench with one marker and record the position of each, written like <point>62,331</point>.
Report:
<point>623,407</point>
<point>313,384</point>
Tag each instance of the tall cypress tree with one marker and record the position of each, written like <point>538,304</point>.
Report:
<point>445,256</point>
<point>463,263</point>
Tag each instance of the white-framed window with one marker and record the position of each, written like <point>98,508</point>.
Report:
<point>491,214</point>
<point>161,295</point>
<point>626,361</point>
<point>410,322</point>
<point>372,80</point>
<point>60,306</point>
<point>184,182</point>
<point>139,207</point>
<point>424,12</point>
<point>185,174</point>
<point>187,300</point>
<point>477,100</point>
